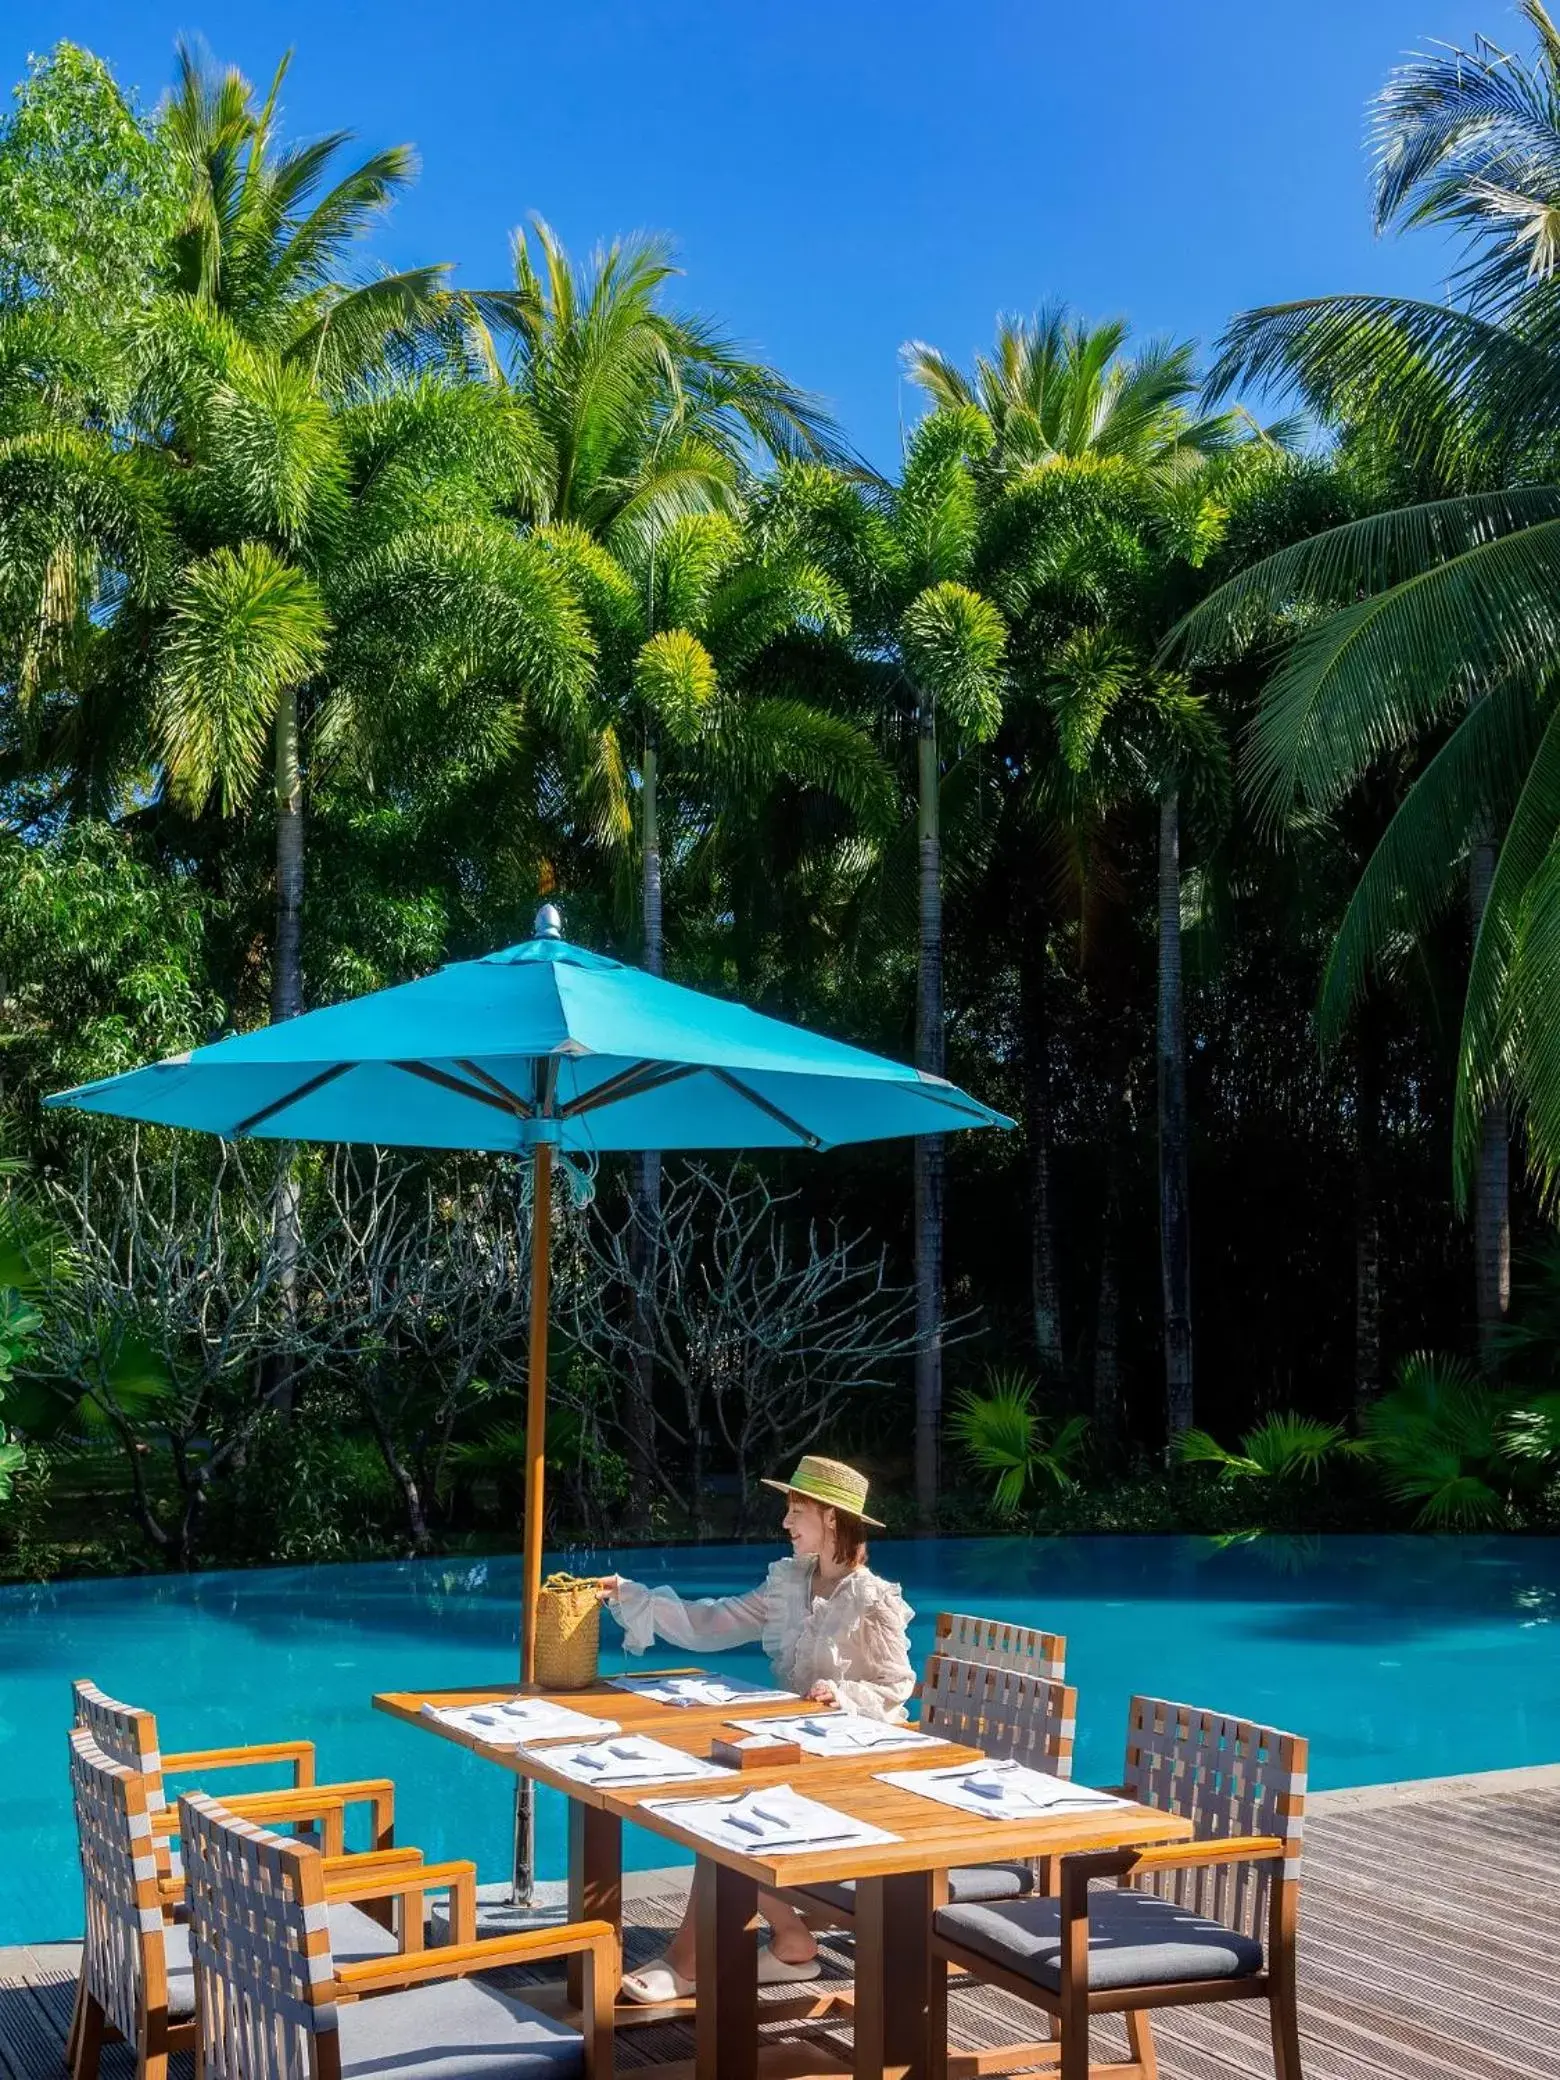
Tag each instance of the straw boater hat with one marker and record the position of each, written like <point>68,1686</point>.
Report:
<point>832,1483</point>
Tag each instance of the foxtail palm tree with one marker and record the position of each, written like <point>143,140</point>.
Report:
<point>906,556</point>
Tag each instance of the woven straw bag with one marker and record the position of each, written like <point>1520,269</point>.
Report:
<point>568,1633</point>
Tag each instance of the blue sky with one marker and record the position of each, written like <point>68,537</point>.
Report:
<point>842,177</point>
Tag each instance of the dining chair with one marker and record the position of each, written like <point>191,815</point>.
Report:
<point>1007,1715</point>
<point>1000,1644</point>
<point>274,2001</point>
<point>136,1977</point>
<point>128,1734</point>
<point>1211,1919</point>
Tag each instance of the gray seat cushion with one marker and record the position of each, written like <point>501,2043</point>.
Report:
<point>353,1938</point>
<point>980,1881</point>
<point>1135,1939</point>
<point>454,2029</point>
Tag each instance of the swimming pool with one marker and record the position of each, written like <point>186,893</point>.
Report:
<point>1400,1657</point>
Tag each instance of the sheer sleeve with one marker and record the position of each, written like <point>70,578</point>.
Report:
<point>711,1623</point>
<point>875,1676</point>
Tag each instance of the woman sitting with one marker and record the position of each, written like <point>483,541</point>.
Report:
<point>835,1633</point>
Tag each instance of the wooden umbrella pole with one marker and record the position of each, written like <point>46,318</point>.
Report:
<point>536,1404</point>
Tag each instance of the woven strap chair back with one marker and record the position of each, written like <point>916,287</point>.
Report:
<point>124,1965</point>
<point>1010,1716</point>
<point>1228,1777</point>
<point>1000,1645</point>
<point>261,1945</point>
<point>125,1734</point>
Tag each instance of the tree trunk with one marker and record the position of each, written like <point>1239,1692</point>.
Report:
<point>647,1174</point>
<point>287,1002</point>
<point>1175,1231</point>
<point>287,953</point>
<point>1367,1219</point>
<point>1107,1318</point>
<point>928,1147</point>
<point>400,1473</point>
<point>1045,1299</point>
<point>1492,1181</point>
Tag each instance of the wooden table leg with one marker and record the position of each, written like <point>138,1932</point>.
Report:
<point>900,2000</point>
<point>595,1882</point>
<point>726,1930</point>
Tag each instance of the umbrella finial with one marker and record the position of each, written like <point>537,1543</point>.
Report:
<point>549,922</point>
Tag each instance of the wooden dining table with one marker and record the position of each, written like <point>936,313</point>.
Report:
<point>899,2004</point>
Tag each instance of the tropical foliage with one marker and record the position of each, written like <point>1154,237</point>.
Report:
<point>1188,786</point>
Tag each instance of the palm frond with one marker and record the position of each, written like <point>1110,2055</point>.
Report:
<point>244,627</point>
<point>1409,879</point>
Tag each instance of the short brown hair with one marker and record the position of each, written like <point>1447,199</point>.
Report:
<point>850,1539</point>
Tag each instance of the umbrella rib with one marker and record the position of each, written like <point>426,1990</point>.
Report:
<point>500,1090</point>
<point>629,1083</point>
<point>447,1082</point>
<point>971,1109</point>
<point>746,1090</point>
<point>293,1097</point>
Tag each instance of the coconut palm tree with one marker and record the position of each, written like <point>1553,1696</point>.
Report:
<point>1100,463</point>
<point>1430,627</point>
<point>1056,389</point>
<point>267,233</point>
<point>648,413</point>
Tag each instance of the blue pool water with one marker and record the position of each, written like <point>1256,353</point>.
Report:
<point>1400,1657</point>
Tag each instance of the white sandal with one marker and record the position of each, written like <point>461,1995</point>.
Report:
<point>655,1985</point>
<point>775,1971</point>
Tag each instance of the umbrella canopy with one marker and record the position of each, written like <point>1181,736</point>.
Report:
<point>544,1043</point>
<point>544,1046</point>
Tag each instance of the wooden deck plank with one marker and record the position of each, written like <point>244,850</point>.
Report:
<point>1426,1953</point>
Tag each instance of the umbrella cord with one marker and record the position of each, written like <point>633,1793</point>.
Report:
<point>575,1170</point>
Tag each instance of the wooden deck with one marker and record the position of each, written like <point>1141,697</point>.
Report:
<point>1429,1945</point>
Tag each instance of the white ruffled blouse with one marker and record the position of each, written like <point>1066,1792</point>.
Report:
<point>856,1638</point>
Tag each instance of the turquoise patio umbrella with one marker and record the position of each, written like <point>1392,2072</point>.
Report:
<point>542,1047</point>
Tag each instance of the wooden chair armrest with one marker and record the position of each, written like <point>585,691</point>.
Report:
<point>311,1803</point>
<point>410,1884</point>
<point>1234,1848</point>
<point>370,1860</point>
<point>390,1882</point>
<point>299,1753</point>
<point>378,1792</point>
<point>459,1960</point>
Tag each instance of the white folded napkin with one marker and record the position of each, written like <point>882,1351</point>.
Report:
<point>776,1821</point>
<point>630,1759</point>
<point>698,1690</point>
<point>842,1733</point>
<point>509,1721</point>
<point>1000,1790</point>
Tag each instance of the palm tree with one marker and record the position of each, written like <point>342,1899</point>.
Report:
<point>1097,455</point>
<point>1430,627</point>
<point>267,232</point>
<point>648,413</point>
<point>651,420</point>
<point>1058,390</point>
<point>931,649</point>
<point>264,246</point>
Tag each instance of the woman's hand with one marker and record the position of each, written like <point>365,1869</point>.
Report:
<point>823,1693</point>
<point>607,1587</point>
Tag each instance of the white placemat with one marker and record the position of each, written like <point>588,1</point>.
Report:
<point>843,1733</point>
<point>512,1720</point>
<point>631,1758</point>
<point>1000,1790</point>
<point>705,1690</point>
<point>775,1822</point>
